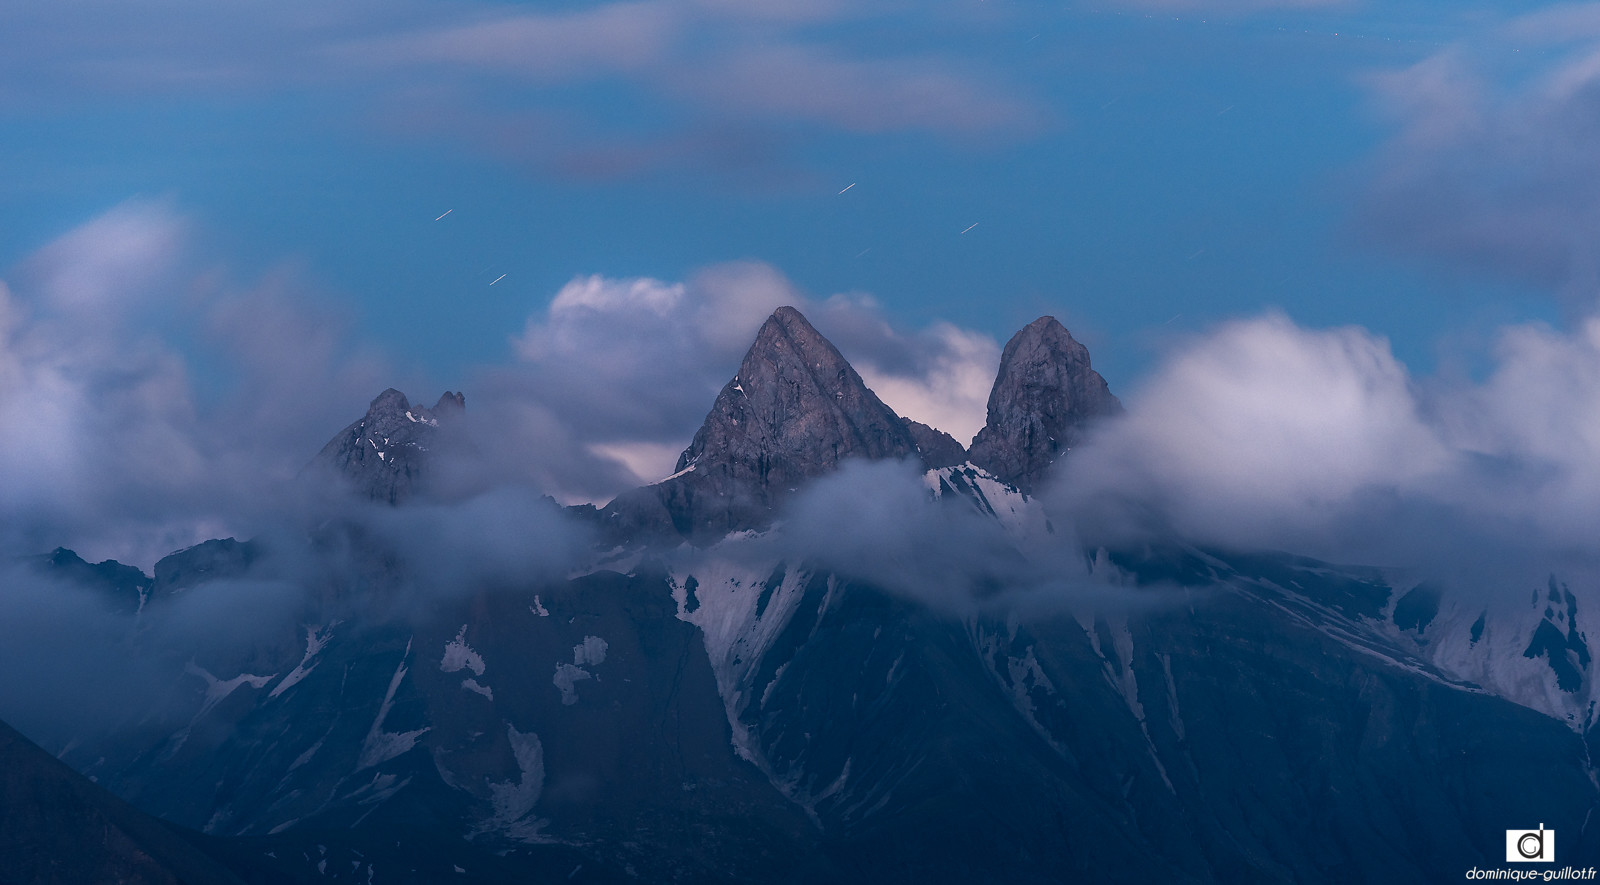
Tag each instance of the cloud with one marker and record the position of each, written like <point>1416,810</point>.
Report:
<point>808,83</point>
<point>614,38</point>
<point>1234,7</point>
<point>110,265</point>
<point>147,404</point>
<point>365,567</point>
<point>111,442</point>
<point>943,382</point>
<point>1261,420</point>
<point>503,80</point>
<point>632,365</point>
<point>1264,434</point>
<point>1491,165</point>
<point>878,522</point>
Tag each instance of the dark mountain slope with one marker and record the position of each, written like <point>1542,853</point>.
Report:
<point>58,828</point>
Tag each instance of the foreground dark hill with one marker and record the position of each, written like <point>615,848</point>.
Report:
<point>697,703</point>
<point>57,828</point>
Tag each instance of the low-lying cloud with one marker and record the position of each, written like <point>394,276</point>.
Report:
<point>1265,434</point>
<point>121,440</point>
<point>124,443</point>
<point>879,522</point>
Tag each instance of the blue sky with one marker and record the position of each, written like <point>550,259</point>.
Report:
<point>227,206</point>
<point>1138,169</point>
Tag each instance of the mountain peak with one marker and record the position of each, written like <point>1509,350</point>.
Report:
<point>384,454</point>
<point>1044,395</point>
<point>795,410</point>
<point>789,316</point>
<point>787,331</point>
<point>390,400</point>
<point>449,405</point>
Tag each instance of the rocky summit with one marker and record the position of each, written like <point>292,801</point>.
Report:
<point>385,454</point>
<point>792,413</point>
<point>1044,396</point>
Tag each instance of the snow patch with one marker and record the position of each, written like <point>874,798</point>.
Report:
<point>305,757</point>
<point>729,581</point>
<point>458,655</point>
<point>684,472</point>
<point>316,640</point>
<point>1494,655</point>
<point>591,652</point>
<point>380,746</point>
<point>1021,516</point>
<point>514,800</point>
<point>1172,696</point>
<point>217,690</point>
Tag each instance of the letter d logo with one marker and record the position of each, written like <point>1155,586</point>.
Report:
<point>1531,846</point>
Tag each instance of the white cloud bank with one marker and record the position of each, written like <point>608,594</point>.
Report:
<point>1267,434</point>
<point>108,440</point>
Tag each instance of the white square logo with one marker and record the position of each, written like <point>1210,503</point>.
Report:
<point>1531,846</point>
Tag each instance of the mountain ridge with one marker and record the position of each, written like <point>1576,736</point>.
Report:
<point>725,710</point>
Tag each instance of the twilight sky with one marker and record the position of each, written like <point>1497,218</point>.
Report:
<point>222,227</point>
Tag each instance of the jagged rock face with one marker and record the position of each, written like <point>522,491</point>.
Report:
<point>124,588</point>
<point>385,455</point>
<point>58,827</point>
<point>214,560</point>
<point>937,448</point>
<point>795,410</point>
<point>1042,399</point>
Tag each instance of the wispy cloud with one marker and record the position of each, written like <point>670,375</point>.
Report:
<point>110,439</point>
<point>1235,7</point>
<point>489,76</point>
<point>1491,164</point>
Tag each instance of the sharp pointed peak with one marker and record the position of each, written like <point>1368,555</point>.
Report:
<point>1045,328</point>
<point>389,399</point>
<point>787,331</point>
<point>787,321</point>
<point>795,410</point>
<point>1043,397</point>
